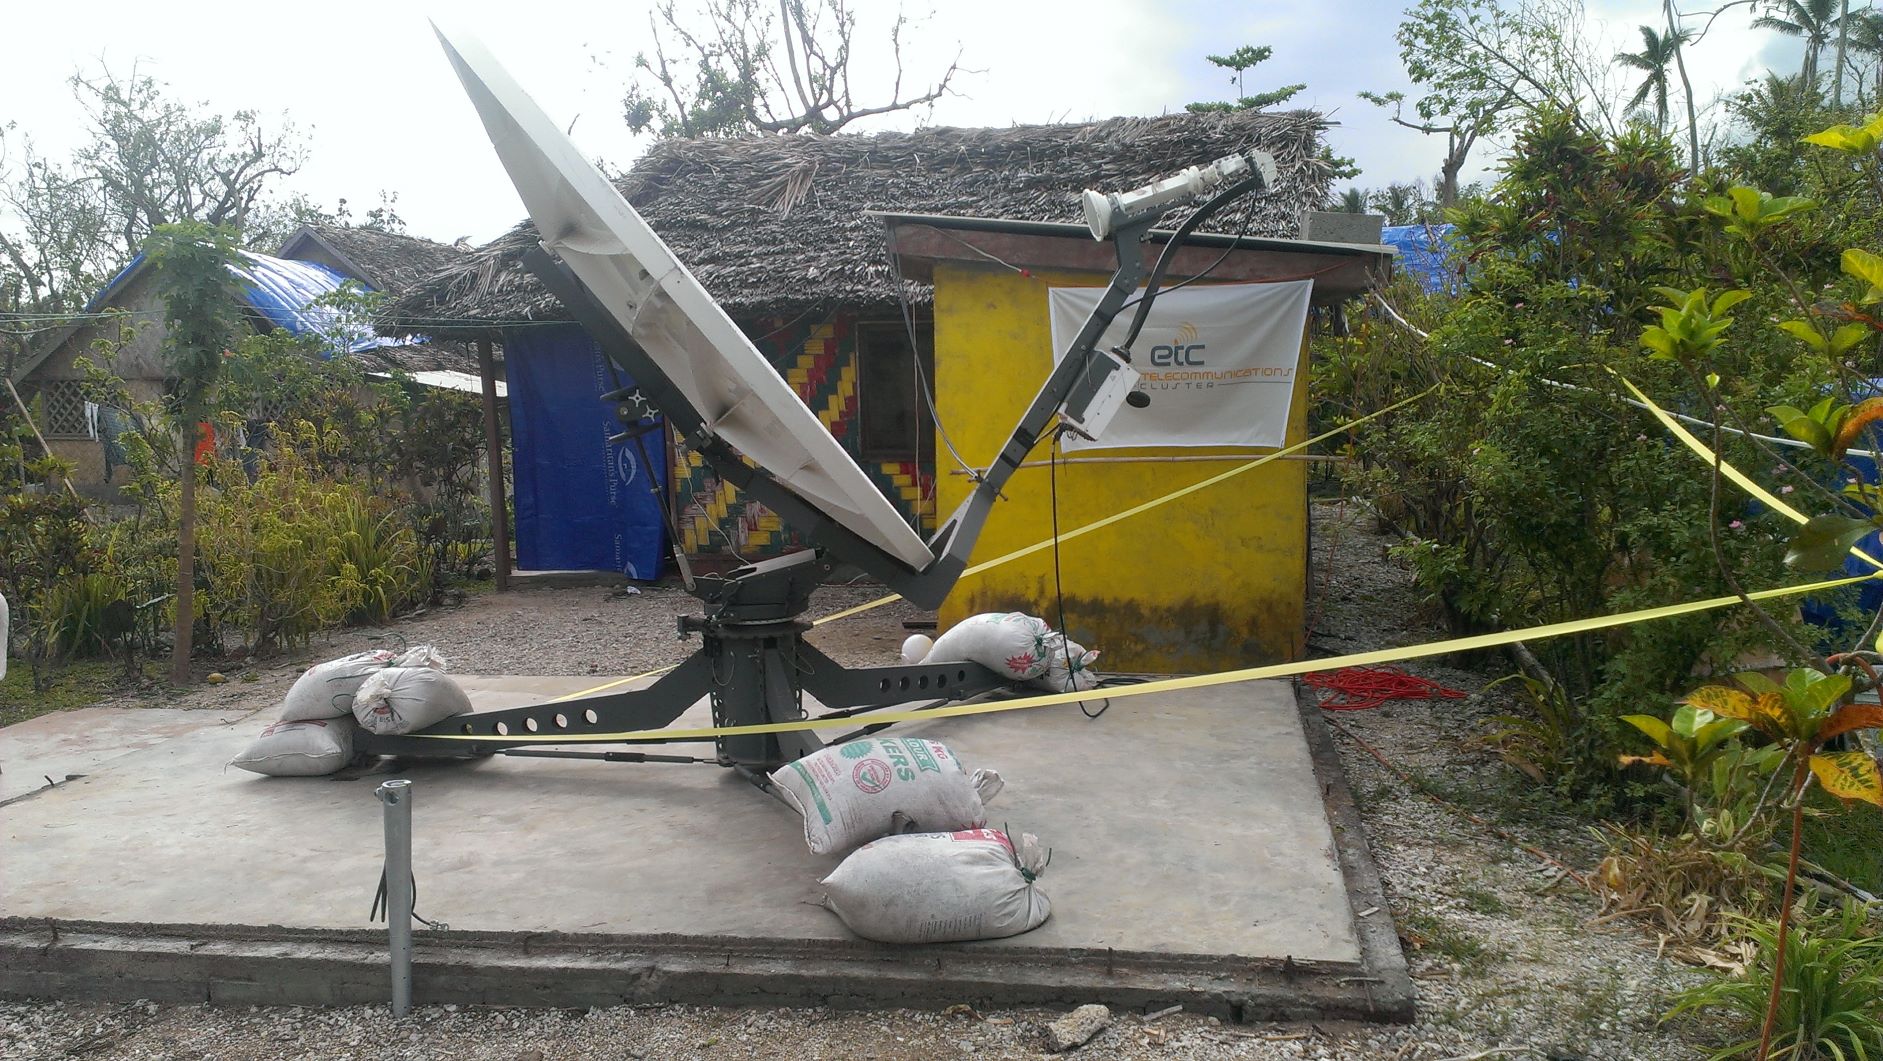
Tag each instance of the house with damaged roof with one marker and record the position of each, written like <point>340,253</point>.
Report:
<point>279,291</point>
<point>784,232</point>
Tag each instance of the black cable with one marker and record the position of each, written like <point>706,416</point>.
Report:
<point>1248,215</point>
<point>1202,214</point>
<point>915,351</point>
<point>1059,596</point>
<point>381,901</point>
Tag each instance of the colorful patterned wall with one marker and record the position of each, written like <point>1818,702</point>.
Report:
<point>819,361</point>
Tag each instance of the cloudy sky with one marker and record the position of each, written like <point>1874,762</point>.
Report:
<point>369,86</point>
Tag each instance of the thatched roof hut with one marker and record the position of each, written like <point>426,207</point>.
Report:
<point>397,265</point>
<point>776,225</point>
<point>387,261</point>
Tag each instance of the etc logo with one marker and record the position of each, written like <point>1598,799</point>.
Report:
<point>1184,351</point>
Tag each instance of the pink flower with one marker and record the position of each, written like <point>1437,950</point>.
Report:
<point>1736,525</point>
<point>1785,489</point>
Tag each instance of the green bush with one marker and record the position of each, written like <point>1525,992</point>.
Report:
<point>1527,491</point>
<point>1831,999</point>
<point>43,548</point>
<point>295,551</point>
<point>378,552</point>
<point>88,614</point>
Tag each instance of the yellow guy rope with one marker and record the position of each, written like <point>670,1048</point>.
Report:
<point>1673,426</point>
<point>1734,474</point>
<point>1068,535</point>
<point>1146,506</point>
<point>1200,681</point>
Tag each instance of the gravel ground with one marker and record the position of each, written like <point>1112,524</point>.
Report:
<point>542,630</point>
<point>1502,951</point>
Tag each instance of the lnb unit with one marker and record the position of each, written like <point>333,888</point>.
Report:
<point>1106,213</point>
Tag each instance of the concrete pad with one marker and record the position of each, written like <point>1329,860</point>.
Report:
<point>1187,828</point>
<point>51,748</point>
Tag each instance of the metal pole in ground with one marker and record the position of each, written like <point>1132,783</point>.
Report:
<point>397,798</point>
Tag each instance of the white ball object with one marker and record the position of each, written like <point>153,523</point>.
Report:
<point>915,649</point>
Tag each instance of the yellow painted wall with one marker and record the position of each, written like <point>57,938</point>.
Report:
<point>1211,581</point>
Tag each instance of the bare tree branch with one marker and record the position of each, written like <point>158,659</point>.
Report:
<point>715,70</point>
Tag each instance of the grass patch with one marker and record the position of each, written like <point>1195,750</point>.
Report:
<point>79,683</point>
<point>1482,901</point>
<point>1845,841</point>
<point>474,587</point>
<point>1431,934</point>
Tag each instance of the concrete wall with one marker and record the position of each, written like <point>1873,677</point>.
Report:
<point>1213,581</point>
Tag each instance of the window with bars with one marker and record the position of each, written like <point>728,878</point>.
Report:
<point>59,407</point>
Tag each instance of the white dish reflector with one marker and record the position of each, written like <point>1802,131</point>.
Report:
<point>585,222</point>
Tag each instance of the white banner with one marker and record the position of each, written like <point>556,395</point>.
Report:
<point>1218,363</point>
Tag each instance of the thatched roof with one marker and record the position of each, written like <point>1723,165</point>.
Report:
<point>453,355</point>
<point>387,261</point>
<point>775,225</point>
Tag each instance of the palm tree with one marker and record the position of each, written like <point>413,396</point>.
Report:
<point>1401,203</point>
<point>1780,108</point>
<point>1866,39</point>
<point>1657,52</point>
<point>1811,21</point>
<point>1351,201</point>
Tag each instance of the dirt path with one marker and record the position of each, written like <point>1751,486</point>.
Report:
<point>1506,962</point>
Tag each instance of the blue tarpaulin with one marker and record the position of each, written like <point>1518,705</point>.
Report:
<point>289,294</point>
<point>1867,597</point>
<point>1425,251</point>
<point>582,504</point>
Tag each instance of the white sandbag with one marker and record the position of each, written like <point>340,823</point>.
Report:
<point>856,792</point>
<point>300,749</point>
<point>405,699</point>
<point>326,690</point>
<point>420,656</point>
<point>1068,666</point>
<point>1009,643</point>
<point>940,887</point>
<point>916,647</point>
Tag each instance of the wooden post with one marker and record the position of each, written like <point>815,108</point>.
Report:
<point>180,646</point>
<point>493,445</point>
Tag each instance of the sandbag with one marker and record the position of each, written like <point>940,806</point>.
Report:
<point>940,887</point>
<point>300,749</point>
<point>856,792</point>
<point>1009,643</point>
<point>1068,666</point>
<point>420,656</point>
<point>405,699</point>
<point>326,690</point>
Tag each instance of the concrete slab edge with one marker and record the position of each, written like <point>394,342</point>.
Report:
<point>246,965</point>
<point>1385,977</point>
<point>237,966</point>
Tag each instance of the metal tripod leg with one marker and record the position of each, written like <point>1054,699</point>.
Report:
<point>839,687</point>
<point>636,709</point>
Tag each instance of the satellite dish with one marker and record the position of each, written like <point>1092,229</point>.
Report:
<point>586,223</point>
